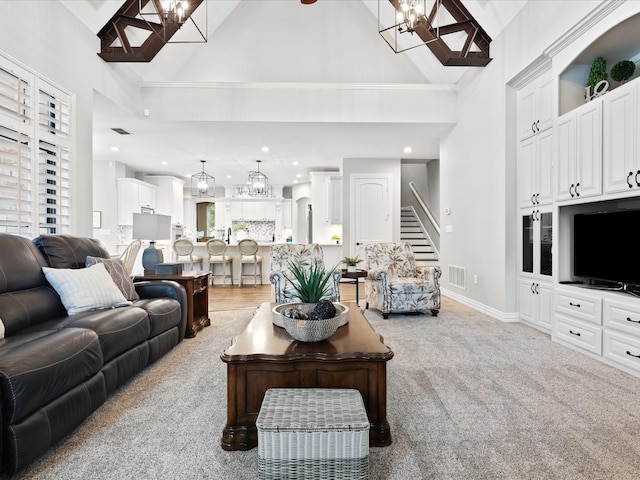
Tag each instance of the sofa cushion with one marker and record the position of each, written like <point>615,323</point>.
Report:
<point>120,277</point>
<point>90,288</point>
<point>39,366</point>
<point>20,264</point>
<point>67,251</point>
<point>24,308</point>
<point>119,329</point>
<point>164,313</point>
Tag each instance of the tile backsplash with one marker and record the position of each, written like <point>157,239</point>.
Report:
<point>260,231</point>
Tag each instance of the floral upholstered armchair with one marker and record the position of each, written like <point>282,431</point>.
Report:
<point>395,284</point>
<point>303,255</point>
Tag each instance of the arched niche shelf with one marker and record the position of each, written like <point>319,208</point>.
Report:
<point>621,42</point>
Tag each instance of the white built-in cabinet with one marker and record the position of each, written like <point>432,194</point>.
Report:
<point>579,152</point>
<point>134,196</point>
<point>535,107</point>
<point>170,196</point>
<point>621,146</point>
<point>535,156</point>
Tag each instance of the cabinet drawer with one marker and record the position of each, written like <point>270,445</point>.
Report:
<point>582,307</point>
<point>622,350</point>
<point>580,334</point>
<point>622,316</point>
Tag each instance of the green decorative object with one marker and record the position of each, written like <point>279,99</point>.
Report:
<point>598,72</point>
<point>351,261</point>
<point>310,284</point>
<point>623,71</point>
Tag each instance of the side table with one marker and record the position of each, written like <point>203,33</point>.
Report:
<point>355,278</point>
<point>196,285</point>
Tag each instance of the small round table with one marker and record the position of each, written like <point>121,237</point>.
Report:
<point>355,278</point>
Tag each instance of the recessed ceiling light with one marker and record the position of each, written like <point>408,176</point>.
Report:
<point>299,175</point>
<point>115,149</point>
<point>295,181</point>
<point>295,164</point>
<point>407,150</point>
<point>163,162</point>
<point>228,176</point>
<point>265,149</point>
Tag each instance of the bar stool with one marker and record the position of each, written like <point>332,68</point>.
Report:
<point>217,249</point>
<point>248,256</point>
<point>183,247</point>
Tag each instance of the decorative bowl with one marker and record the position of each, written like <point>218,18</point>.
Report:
<point>310,330</point>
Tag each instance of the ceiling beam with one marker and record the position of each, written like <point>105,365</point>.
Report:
<point>129,17</point>
<point>434,37</point>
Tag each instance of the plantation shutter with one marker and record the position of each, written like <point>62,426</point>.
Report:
<point>35,138</point>
<point>16,150</point>
<point>53,162</point>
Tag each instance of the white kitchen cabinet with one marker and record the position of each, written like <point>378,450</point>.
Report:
<point>535,107</point>
<point>579,152</point>
<point>535,156</point>
<point>134,196</point>
<point>334,200</point>
<point>257,210</point>
<point>621,159</point>
<point>170,196</point>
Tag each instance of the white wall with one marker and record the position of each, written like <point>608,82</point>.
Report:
<point>477,159</point>
<point>45,37</point>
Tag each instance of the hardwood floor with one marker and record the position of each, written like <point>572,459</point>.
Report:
<point>235,298</point>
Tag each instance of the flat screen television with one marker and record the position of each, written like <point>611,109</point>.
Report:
<point>606,249</point>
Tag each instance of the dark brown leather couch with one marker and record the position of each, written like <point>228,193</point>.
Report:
<point>56,369</point>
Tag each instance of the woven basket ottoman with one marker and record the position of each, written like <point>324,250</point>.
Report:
<point>313,433</point>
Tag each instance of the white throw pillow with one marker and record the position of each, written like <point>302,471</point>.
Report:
<point>85,289</point>
<point>1,329</point>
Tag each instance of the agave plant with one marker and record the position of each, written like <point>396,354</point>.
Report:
<point>310,284</point>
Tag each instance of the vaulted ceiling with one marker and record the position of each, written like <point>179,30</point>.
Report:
<point>278,43</point>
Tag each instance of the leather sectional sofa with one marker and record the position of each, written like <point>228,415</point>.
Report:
<point>55,368</point>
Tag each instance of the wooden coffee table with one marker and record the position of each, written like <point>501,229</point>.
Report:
<point>264,356</point>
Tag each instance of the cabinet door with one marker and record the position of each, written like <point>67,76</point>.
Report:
<point>527,101</point>
<point>147,196</point>
<point>544,297</point>
<point>619,139</point>
<point>127,202</point>
<point>526,300</point>
<point>589,150</point>
<point>544,168</point>
<point>544,105</point>
<point>334,200</point>
<point>566,158</point>
<point>527,172</point>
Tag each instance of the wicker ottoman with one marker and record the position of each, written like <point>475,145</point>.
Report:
<point>313,433</point>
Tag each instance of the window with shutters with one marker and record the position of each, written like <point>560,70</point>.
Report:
<point>35,138</point>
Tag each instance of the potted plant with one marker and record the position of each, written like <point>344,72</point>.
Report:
<point>623,71</point>
<point>310,284</point>
<point>336,238</point>
<point>351,263</point>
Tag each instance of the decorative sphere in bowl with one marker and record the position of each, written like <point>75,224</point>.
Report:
<point>318,328</point>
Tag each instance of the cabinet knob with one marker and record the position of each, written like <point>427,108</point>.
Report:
<point>576,189</point>
<point>538,125</point>
<point>632,355</point>
<point>629,179</point>
<point>577,334</point>
<point>570,193</point>
<point>533,127</point>
<point>637,182</point>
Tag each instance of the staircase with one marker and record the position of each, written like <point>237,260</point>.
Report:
<point>412,232</point>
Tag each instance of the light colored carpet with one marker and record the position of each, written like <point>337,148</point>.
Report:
<point>469,397</point>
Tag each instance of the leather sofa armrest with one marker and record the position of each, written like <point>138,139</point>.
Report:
<point>166,289</point>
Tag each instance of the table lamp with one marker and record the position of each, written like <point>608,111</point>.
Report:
<point>152,227</point>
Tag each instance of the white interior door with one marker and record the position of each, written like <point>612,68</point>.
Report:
<point>371,210</point>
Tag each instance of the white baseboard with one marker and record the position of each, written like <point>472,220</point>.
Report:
<point>479,307</point>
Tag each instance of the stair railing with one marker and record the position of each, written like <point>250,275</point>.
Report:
<point>426,210</point>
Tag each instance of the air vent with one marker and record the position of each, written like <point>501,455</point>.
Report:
<point>458,276</point>
<point>121,131</point>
